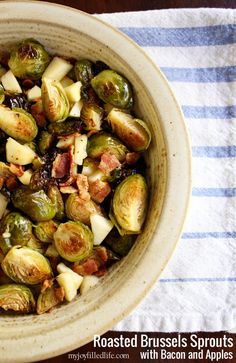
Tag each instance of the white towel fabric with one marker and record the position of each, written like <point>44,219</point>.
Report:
<point>196,49</point>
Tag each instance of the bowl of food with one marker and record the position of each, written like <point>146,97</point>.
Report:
<point>95,176</point>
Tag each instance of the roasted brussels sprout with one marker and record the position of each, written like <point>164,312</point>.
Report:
<point>65,128</point>
<point>36,205</point>
<point>119,244</point>
<point>132,131</point>
<point>2,94</point>
<point>18,124</point>
<point>18,298</point>
<point>102,142</point>
<point>91,115</point>
<point>15,229</point>
<point>129,204</point>
<point>78,209</point>
<point>113,88</point>
<point>73,241</point>
<point>44,231</point>
<point>28,59</point>
<point>56,198</point>
<point>55,102</point>
<point>27,266</point>
<point>45,141</point>
<point>83,70</point>
<point>37,245</point>
<point>49,299</point>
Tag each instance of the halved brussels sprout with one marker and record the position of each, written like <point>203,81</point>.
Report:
<point>113,88</point>
<point>129,205</point>
<point>45,141</point>
<point>49,299</point>
<point>78,209</point>
<point>120,244</point>
<point>28,59</point>
<point>102,142</point>
<point>83,70</point>
<point>37,245</point>
<point>27,266</point>
<point>36,205</point>
<point>132,131</point>
<point>18,124</point>
<point>44,231</point>
<point>73,241</point>
<point>56,198</point>
<point>15,229</point>
<point>91,115</point>
<point>18,298</point>
<point>55,102</point>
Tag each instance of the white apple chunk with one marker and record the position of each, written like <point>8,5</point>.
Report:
<point>57,69</point>
<point>87,283</point>
<point>10,82</point>
<point>17,153</point>
<point>100,226</point>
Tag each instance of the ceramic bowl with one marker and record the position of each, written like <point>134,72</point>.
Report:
<point>70,32</point>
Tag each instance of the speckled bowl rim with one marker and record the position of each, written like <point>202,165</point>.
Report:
<point>178,197</point>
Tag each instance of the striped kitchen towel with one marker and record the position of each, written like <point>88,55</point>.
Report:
<point>196,50</point>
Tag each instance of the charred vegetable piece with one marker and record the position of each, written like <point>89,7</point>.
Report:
<point>49,299</point>
<point>28,59</point>
<point>113,88</point>
<point>83,70</point>
<point>15,229</point>
<point>55,102</point>
<point>45,141</point>
<point>44,231</point>
<point>120,244</point>
<point>56,198</point>
<point>18,124</point>
<point>78,209</point>
<point>73,241</point>
<point>27,266</point>
<point>18,298</point>
<point>17,100</point>
<point>65,128</point>
<point>91,115</point>
<point>36,205</point>
<point>103,142</point>
<point>133,132</point>
<point>129,205</point>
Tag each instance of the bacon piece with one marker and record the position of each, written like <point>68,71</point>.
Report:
<point>61,165</point>
<point>46,285</point>
<point>132,158</point>
<point>108,163</point>
<point>16,169</point>
<point>94,264</point>
<point>67,182</point>
<point>99,190</point>
<point>83,187</point>
<point>11,183</point>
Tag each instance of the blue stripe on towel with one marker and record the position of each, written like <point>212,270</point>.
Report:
<point>203,75</point>
<point>182,37</point>
<point>214,192</point>
<point>214,151</point>
<point>200,279</point>
<point>201,235</point>
<point>214,112</point>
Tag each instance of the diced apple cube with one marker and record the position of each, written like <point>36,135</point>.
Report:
<point>73,92</point>
<point>57,69</point>
<point>76,109</point>
<point>17,153</point>
<point>100,226</point>
<point>34,93</point>
<point>25,178</point>
<point>70,283</point>
<point>10,82</point>
<point>87,283</point>
<point>80,152</point>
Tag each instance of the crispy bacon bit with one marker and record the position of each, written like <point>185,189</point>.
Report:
<point>59,294</point>
<point>16,169</point>
<point>61,165</point>
<point>83,186</point>
<point>11,183</point>
<point>95,263</point>
<point>1,182</point>
<point>99,190</point>
<point>46,284</point>
<point>68,190</point>
<point>108,163</point>
<point>132,158</point>
<point>68,182</point>
<point>38,113</point>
